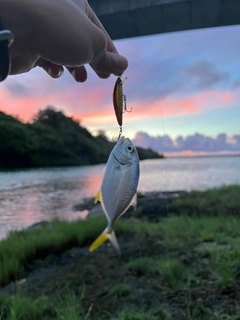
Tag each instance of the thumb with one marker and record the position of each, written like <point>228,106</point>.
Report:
<point>109,63</point>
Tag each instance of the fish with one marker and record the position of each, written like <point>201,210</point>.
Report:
<point>118,189</point>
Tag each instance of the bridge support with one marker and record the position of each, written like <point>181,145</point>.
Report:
<point>133,18</point>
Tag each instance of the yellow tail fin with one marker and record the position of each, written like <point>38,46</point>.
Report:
<point>99,241</point>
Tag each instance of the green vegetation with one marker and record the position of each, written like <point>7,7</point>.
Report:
<point>67,308</point>
<point>141,314</point>
<point>170,270</point>
<point>183,267</point>
<point>52,139</point>
<point>121,289</point>
<point>216,202</point>
<point>21,307</point>
<point>147,266</point>
<point>23,247</point>
<point>225,263</point>
<point>173,273</point>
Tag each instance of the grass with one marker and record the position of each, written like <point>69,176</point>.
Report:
<point>173,273</point>
<point>23,247</point>
<point>20,307</point>
<point>132,313</point>
<point>68,308</point>
<point>201,256</point>
<point>226,266</point>
<point>121,289</point>
<point>144,266</point>
<point>170,271</point>
<point>216,202</point>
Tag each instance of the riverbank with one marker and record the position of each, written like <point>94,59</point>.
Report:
<point>31,196</point>
<point>53,139</point>
<point>150,205</point>
<point>178,266</point>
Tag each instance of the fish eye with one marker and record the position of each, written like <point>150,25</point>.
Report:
<point>130,148</point>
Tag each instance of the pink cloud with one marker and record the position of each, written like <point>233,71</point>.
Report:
<point>175,106</point>
<point>160,57</point>
<point>190,153</point>
<point>95,106</point>
<point>21,106</point>
<point>73,101</point>
<point>189,145</point>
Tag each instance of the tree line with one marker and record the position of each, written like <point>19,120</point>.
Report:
<point>53,139</point>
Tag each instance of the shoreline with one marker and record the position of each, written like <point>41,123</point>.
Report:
<point>152,205</point>
<point>179,267</point>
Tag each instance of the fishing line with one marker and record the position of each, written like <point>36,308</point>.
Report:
<point>163,126</point>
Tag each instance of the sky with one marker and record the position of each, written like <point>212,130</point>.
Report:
<point>183,86</point>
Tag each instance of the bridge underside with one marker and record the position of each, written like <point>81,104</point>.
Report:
<point>133,18</point>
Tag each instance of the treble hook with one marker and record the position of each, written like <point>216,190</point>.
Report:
<point>125,104</point>
<point>119,136</point>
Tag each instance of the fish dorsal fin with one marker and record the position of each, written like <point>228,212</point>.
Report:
<point>98,197</point>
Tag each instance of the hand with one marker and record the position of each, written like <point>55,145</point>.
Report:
<point>56,33</point>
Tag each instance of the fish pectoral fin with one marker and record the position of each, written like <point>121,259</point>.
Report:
<point>134,201</point>
<point>98,197</point>
<point>102,238</point>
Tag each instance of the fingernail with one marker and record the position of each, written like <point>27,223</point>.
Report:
<point>73,73</point>
<point>54,74</point>
<point>79,75</point>
<point>60,72</point>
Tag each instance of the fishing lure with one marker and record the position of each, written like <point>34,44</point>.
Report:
<point>119,102</point>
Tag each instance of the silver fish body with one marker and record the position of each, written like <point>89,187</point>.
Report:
<point>120,180</point>
<point>119,187</point>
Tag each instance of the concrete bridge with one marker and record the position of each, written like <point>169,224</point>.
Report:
<point>134,18</point>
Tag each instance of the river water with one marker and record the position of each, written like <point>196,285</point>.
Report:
<point>30,196</point>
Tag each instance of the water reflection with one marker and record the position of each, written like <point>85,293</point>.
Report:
<point>189,173</point>
<point>30,196</point>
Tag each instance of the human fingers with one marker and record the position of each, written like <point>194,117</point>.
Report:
<point>103,75</point>
<point>116,60</point>
<point>109,63</point>
<point>54,70</point>
<point>78,73</point>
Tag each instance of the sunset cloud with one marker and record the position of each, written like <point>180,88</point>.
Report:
<point>192,144</point>
<point>203,75</point>
<point>170,76</point>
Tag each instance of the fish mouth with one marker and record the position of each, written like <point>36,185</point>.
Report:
<point>124,140</point>
<point>121,140</point>
<point>123,164</point>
